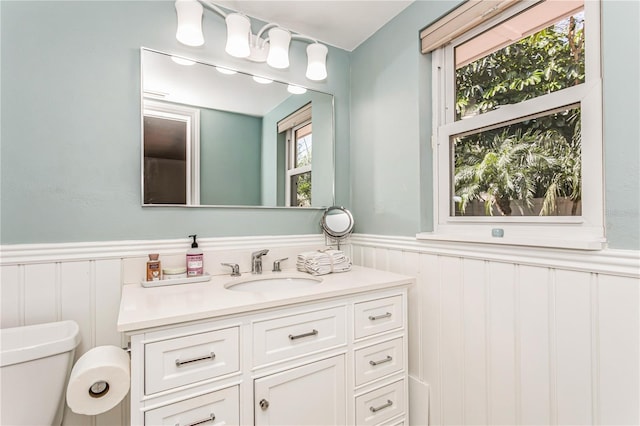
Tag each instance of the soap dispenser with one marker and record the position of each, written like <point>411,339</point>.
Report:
<point>195,259</point>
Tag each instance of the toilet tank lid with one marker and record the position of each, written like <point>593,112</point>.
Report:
<point>27,343</point>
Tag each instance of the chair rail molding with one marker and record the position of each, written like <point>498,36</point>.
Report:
<point>608,261</point>
<point>77,251</point>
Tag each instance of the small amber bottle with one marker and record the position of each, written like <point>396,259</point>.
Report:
<point>154,270</point>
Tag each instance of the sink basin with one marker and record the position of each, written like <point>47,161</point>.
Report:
<point>273,283</point>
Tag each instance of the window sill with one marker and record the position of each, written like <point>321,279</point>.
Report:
<point>540,241</point>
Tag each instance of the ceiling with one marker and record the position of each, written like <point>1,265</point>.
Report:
<point>339,23</point>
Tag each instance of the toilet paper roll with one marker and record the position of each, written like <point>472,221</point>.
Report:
<point>99,380</point>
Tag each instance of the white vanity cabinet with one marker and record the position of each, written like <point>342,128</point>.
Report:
<point>339,360</point>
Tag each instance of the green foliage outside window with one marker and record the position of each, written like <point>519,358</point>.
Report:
<point>539,157</point>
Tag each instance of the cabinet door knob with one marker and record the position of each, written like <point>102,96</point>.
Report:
<point>264,404</point>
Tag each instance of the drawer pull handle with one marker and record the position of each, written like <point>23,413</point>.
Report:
<point>300,336</point>
<point>382,361</point>
<point>382,407</point>
<point>264,404</point>
<point>211,418</point>
<point>377,317</point>
<point>179,363</point>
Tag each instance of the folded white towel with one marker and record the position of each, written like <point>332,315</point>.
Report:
<point>323,262</point>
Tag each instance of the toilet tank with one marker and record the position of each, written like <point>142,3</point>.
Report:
<point>35,362</point>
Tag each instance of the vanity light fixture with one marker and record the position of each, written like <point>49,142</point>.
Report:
<point>242,43</point>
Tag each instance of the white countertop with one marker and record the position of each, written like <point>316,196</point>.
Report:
<point>142,307</point>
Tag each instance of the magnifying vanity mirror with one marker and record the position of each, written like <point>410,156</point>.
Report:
<point>337,224</point>
<point>215,137</point>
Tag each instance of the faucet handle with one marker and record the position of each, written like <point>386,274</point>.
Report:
<point>276,264</point>
<point>235,269</point>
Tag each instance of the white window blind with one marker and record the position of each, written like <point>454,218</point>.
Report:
<point>298,117</point>
<point>460,20</point>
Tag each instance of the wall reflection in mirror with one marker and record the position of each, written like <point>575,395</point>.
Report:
<point>215,137</point>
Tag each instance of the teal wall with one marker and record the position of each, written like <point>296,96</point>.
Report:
<point>70,101</point>
<point>230,158</point>
<point>391,125</point>
<point>70,153</point>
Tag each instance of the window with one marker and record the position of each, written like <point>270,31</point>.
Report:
<point>518,129</point>
<point>299,144</point>
<point>299,137</point>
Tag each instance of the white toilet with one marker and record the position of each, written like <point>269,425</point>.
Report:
<point>35,362</point>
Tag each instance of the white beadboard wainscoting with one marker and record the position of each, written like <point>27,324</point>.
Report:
<point>498,335</point>
<point>516,335</point>
<point>82,282</point>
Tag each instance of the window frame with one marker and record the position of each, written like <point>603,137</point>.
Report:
<point>580,232</point>
<point>291,152</point>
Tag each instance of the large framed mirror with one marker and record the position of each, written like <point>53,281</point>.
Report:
<point>215,137</point>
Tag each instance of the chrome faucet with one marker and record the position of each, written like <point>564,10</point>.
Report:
<point>256,261</point>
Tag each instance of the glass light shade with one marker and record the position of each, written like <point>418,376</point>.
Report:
<point>189,22</point>
<point>279,40</point>
<point>317,61</point>
<point>238,33</point>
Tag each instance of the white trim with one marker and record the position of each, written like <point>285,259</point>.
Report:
<point>63,252</point>
<point>624,263</point>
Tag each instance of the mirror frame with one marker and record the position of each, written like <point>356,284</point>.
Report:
<point>332,164</point>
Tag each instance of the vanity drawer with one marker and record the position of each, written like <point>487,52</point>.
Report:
<point>183,360</point>
<point>379,360</point>
<point>376,316</point>
<point>380,405</point>
<point>216,408</point>
<point>296,335</point>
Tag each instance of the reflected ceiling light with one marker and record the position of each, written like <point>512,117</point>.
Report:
<point>189,30</point>
<point>242,43</point>
<point>296,90</point>
<point>226,71</point>
<point>182,61</point>
<point>261,80</point>
<point>317,61</point>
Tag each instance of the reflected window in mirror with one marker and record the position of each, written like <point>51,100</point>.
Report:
<point>171,142</point>
<point>299,143</point>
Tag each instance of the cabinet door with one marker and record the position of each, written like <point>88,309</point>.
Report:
<point>314,394</point>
